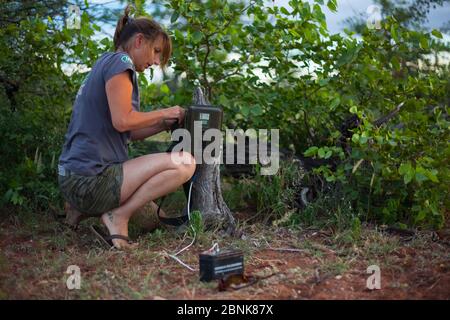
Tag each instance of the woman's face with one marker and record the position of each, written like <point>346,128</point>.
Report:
<point>145,53</point>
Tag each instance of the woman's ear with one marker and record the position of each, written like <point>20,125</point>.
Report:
<point>139,40</point>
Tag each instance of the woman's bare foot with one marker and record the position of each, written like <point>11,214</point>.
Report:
<point>117,225</point>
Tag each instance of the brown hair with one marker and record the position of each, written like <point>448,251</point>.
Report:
<point>127,27</point>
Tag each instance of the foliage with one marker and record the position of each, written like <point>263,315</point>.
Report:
<point>276,67</point>
<point>275,194</point>
<point>269,67</point>
<point>36,96</point>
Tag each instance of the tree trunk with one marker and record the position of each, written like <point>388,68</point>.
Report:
<point>207,192</point>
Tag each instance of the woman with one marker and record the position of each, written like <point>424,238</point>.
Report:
<point>95,175</point>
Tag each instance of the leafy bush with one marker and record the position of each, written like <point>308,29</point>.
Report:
<point>274,195</point>
<point>288,72</point>
<point>269,67</point>
<point>36,98</point>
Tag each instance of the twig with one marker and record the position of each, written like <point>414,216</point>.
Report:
<point>283,249</point>
<point>434,284</point>
<point>389,116</point>
<point>287,249</point>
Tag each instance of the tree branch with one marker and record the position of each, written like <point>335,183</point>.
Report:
<point>205,76</point>
<point>389,116</point>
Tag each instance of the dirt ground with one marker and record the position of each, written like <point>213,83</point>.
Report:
<point>280,263</point>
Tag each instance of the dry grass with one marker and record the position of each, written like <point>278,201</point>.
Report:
<point>36,252</point>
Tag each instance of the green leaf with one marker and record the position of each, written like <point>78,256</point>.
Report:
<point>423,174</point>
<point>321,153</point>
<point>323,82</point>
<point>436,33</point>
<point>421,215</point>
<point>407,178</point>
<point>349,55</point>
<point>424,43</point>
<point>407,171</point>
<point>335,102</point>
<point>179,35</point>
<point>105,41</point>
<point>404,168</point>
<point>245,110</point>
<point>395,63</point>
<point>174,17</point>
<point>164,89</point>
<point>332,5</point>
<point>353,109</point>
<point>363,140</point>
<point>311,151</point>
<point>355,138</point>
<point>394,33</point>
<point>197,37</point>
<point>257,110</point>
<point>284,10</point>
<point>432,175</point>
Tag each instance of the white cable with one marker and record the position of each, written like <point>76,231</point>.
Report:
<point>189,201</point>
<point>189,219</point>
<point>195,234</point>
<point>185,247</point>
<point>182,263</point>
<point>214,248</point>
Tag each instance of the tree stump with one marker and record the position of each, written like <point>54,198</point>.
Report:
<point>206,195</point>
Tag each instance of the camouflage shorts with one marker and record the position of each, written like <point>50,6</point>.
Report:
<point>93,195</point>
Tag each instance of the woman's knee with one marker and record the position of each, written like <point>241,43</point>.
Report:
<point>187,165</point>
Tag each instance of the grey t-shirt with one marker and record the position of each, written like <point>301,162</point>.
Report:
<point>91,141</point>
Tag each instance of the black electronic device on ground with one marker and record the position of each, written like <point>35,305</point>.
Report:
<point>219,264</point>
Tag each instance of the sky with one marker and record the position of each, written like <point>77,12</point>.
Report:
<point>346,8</point>
<point>351,8</point>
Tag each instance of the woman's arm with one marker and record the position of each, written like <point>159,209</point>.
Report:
<point>119,93</point>
<point>141,134</point>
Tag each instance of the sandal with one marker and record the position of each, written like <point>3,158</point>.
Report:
<point>107,239</point>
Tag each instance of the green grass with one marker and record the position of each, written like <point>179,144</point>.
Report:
<point>196,226</point>
<point>37,251</point>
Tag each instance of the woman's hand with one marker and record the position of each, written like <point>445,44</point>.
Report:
<point>173,113</point>
<point>169,124</point>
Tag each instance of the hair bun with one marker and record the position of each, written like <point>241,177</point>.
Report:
<point>127,10</point>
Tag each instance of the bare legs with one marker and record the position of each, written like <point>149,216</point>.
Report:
<point>145,179</point>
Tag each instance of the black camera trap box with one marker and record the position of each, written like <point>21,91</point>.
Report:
<point>208,117</point>
<point>217,265</point>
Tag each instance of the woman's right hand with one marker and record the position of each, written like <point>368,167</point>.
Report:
<point>173,113</point>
